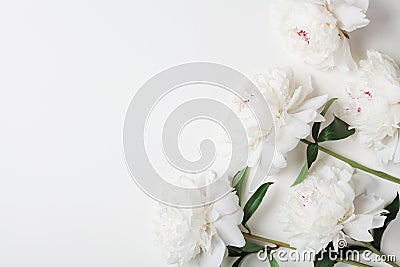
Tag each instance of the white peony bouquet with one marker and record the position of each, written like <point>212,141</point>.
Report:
<point>329,201</point>
<point>327,204</point>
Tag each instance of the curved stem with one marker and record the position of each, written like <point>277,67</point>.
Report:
<point>267,240</point>
<point>380,254</point>
<point>354,263</point>
<point>356,165</point>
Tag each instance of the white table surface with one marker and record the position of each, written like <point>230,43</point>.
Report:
<point>68,70</point>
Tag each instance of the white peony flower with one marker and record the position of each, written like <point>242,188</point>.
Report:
<point>292,112</point>
<point>317,30</point>
<point>329,205</point>
<point>199,236</point>
<point>373,108</point>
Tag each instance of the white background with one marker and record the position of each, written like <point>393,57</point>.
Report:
<point>68,70</point>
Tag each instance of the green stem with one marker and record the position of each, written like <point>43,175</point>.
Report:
<point>377,252</point>
<point>354,263</point>
<point>355,164</point>
<point>267,240</point>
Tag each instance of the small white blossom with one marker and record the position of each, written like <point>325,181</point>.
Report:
<point>317,29</point>
<point>329,205</point>
<point>199,236</point>
<point>373,107</point>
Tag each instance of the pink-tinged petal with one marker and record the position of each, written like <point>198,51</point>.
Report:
<point>359,227</point>
<point>343,58</point>
<point>229,232</point>
<point>350,17</point>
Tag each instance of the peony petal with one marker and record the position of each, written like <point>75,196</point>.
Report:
<point>393,93</point>
<point>279,161</point>
<point>335,241</point>
<point>289,135</point>
<point>350,17</point>
<point>314,103</point>
<point>361,183</point>
<point>387,153</point>
<point>228,229</point>
<point>397,153</point>
<point>343,58</point>
<point>296,97</point>
<point>306,116</point>
<point>318,2</point>
<point>363,4</point>
<point>255,155</point>
<point>368,204</point>
<point>358,229</point>
<point>378,221</point>
<point>228,204</point>
<point>212,258</point>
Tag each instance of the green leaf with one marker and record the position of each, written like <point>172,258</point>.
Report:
<point>247,227</point>
<point>235,251</point>
<point>302,175</point>
<point>317,125</point>
<point>312,153</point>
<point>393,209</point>
<point>337,130</point>
<point>323,258</point>
<point>272,261</point>
<point>325,262</point>
<point>252,247</point>
<point>249,248</point>
<point>254,202</point>
<point>239,182</point>
<point>239,261</point>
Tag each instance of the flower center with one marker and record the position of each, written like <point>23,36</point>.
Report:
<point>304,36</point>
<point>365,94</point>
